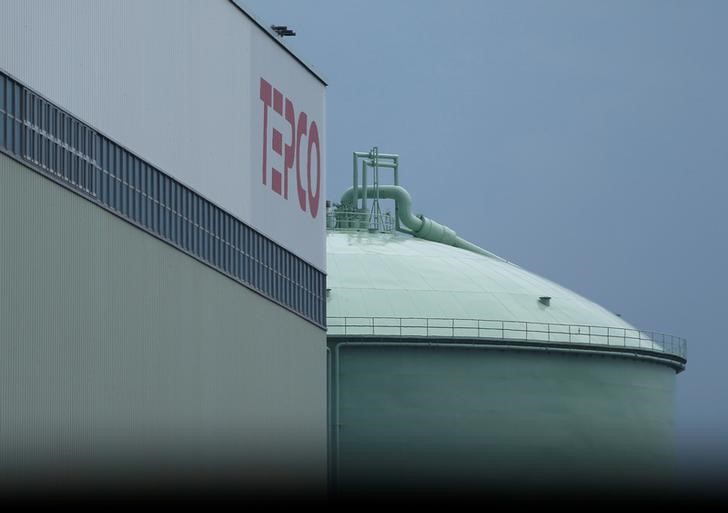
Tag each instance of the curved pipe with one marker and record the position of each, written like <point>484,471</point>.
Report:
<point>421,226</point>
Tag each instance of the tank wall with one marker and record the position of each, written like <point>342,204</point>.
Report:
<point>120,355</point>
<point>431,416</point>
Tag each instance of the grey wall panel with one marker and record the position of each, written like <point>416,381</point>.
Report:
<point>426,416</point>
<point>118,351</point>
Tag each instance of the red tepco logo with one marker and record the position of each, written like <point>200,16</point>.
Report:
<point>291,150</point>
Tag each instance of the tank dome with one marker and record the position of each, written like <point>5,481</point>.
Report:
<point>383,283</point>
<point>396,275</point>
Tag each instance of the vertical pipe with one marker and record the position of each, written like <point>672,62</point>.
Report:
<point>356,182</point>
<point>364,185</point>
<point>396,182</point>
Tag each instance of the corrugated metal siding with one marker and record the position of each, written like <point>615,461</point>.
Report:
<point>176,81</point>
<point>115,347</point>
<point>58,145</point>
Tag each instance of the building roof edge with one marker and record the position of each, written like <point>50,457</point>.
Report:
<point>246,11</point>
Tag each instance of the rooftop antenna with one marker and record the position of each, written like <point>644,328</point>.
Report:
<point>282,30</point>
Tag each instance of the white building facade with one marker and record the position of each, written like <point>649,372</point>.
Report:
<point>162,310</point>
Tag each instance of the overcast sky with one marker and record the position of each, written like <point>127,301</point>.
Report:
<point>585,141</point>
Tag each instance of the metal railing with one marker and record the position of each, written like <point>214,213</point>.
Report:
<point>348,220</point>
<point>518,331</point>
<point>58,145</point>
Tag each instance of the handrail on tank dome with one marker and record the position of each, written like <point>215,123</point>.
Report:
<point>520,331</point>
<point>339,219</point>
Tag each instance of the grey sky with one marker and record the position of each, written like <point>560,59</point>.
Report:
<point>586,141</point>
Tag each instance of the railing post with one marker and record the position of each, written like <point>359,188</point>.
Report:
<point>503,330</point>
<point>548,331</point>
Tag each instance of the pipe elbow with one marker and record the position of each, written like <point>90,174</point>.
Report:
<point>420,225</point>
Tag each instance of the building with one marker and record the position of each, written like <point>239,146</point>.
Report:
<point>162,249</point>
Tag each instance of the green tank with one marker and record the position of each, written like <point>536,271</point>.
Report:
<point>452,368</point>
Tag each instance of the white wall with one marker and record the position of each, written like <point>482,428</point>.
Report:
<point>178,82</point>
